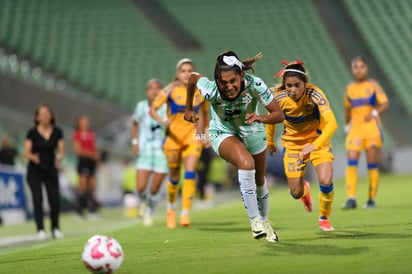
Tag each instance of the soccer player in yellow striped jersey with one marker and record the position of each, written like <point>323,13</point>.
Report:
<point>183,142</point>
<point>365,100</point>
<point>308,128</point>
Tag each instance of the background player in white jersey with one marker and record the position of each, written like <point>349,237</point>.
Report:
<point>236,130</point>
<point>147,139</point>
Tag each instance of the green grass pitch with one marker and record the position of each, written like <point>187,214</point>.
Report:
<point>219,241</point>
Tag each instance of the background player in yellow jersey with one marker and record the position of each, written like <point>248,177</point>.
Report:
<point>308,127</point>
<point>365,100</point>
<point>181,140</point>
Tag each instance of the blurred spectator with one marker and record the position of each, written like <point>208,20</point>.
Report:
<point>42,142</point>
<point>84,144</point>
<point>7,153</point>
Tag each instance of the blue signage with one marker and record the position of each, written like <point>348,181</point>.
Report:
<point>12,190</point>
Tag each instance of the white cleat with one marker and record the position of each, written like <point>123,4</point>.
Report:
<point>57,234</point>
<point>271,235</point>
<point>258,230</point>
<point>148,221</point>
<point>41,235</point>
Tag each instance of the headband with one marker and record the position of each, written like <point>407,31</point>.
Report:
<point>286,64</point>
<point>233,61</point>
<point>182,61</point>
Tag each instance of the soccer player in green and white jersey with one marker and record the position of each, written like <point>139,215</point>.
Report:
<point>147,139</point>
<point>237,131</point>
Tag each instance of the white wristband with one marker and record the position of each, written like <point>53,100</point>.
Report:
<point>134,141</point>
<point>347,128</point>
<point>375,113</point>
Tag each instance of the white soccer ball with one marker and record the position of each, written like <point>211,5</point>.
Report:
<point>102,254</point>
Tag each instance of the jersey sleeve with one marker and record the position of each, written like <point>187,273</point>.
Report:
<point>207,88</point>
<point>136,116</point>
<point>380,93</point>
<point>328,120</point>
<point>263,91</point>
<point>161,98</point>
<point>346,100</point>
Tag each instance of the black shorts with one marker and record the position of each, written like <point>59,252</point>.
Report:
<point>86,166</point>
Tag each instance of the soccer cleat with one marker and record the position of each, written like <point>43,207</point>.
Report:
<point>148,221</point>
<point>271,235</point>
<point>350,204</point>
<point>325,225</point>
<point>57,234</point>
<point>258,230</point>
<point>171,218</point>
<point>307,199</point>
<point>41,235</point>
<point>185,220</point>
<point>369,204</point>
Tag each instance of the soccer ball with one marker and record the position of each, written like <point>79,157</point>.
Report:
<point>102,254</point>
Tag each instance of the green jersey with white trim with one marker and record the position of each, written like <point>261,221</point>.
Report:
<point>151,133</point>
<point>229,115</point>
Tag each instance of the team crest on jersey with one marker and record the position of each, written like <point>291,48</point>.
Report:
<point>368,91</point>
<point>246,98</point>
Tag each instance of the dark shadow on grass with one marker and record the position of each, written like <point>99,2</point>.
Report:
<point>218,226</point>
<point>290,248</point>
<point>354,234</point>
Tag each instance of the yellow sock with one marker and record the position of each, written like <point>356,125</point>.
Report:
<point>325,201</point>
<point>373,181</point>
<point>172,189</point>
<point>351,178</point>
<point>188,191</point>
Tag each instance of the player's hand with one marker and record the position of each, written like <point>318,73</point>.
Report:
<point>191,116</point>
<point>307,150</point>
<point>166,123</point>
<point>35,158</point>
<point>135,149</point>
<point>368,118</point>
<point>253,117</point>
<point>271,149</point>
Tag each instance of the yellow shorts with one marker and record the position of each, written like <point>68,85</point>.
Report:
<point>358,141</point>
<point>296,167</point>
<point>176,151</point>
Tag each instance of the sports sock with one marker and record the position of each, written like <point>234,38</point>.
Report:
<point>172,189</point>
<point>247,185</point>
<point>151,204</point>
<point>351,178</point>
<point>189,189</point>
<point>262,194</point>
<point>325,201</point>
<point>141,197</point>
<point>373,173</point>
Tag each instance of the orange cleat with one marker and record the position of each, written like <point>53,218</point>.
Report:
<point>171,218</point>
<point>185,220</point>
<point>307,200</point>
<point>325,225</point>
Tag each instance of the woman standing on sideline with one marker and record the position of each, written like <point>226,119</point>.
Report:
<point>84,145</point>
<point>365,101</point>
<point>147,140</point>
<point>40,147</point>
<point>237,131</point>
